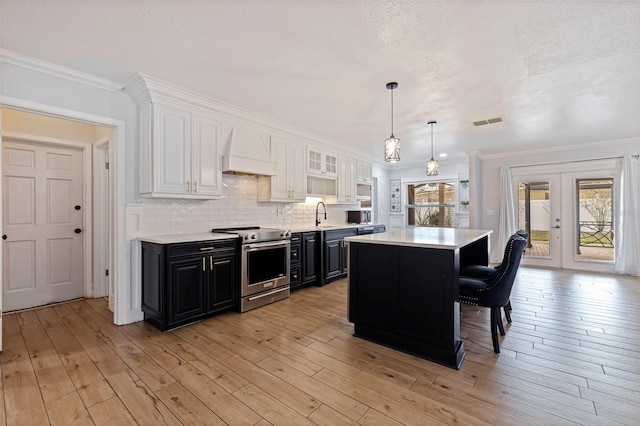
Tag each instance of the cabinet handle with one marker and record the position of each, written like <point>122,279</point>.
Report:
<point>188,186</point>
<point>195,186</point>
<point>211,262</point>
<point>204,265</point>
<point>311,241</point>
<point>206,248</point>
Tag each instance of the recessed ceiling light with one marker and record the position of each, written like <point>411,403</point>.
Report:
<point>444,154</point>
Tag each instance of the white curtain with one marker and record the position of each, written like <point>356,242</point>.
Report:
<point>507,216</point>
<point>628,240</point>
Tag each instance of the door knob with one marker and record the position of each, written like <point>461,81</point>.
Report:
<point>77,230</point>
<point>557,227</point>
<point>4,237</point>
<point>77,207</point>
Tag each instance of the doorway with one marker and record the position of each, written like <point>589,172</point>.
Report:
<point>52,249</point>
<point>569,213</point>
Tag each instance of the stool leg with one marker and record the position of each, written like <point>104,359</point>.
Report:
<point>494,329</point>
<point>507,311</point>
<point>499,320</point>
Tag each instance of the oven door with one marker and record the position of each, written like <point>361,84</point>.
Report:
<point>265,266</point>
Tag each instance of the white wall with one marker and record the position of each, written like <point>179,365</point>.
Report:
<point>489,185</point>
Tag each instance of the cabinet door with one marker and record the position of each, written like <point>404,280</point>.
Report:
<point>330,164</point>
<point>280,189</point>
<point>333,259</point>
<point>171,150</point>
<point>297,178</point>
<point>364,172</point>
<point>206,174</point>
<point>309,258</point>
<point>347,181</point>
<point>222,282</point>
<point>314,162</point>
<point>185,286</point>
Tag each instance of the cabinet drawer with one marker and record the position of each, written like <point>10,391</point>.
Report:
<point>202,247</point>
<point>295,253</point>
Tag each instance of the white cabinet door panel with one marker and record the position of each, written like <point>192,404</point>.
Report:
<point>205,156</point>
<point>280,189</point>
<point>298,181</point>
<point>172,131</point>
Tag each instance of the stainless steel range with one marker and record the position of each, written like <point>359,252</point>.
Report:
<point>264,265</point>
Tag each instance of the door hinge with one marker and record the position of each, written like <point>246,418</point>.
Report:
<point>106,165</point>
<point>106,272</point>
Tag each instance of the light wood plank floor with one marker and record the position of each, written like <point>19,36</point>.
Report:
<point>571,356</point>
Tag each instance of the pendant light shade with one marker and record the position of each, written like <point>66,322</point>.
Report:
<point>432,165</point>
<point>392,144</point>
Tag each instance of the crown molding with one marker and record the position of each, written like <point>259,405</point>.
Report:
<point>561,148</point>
<point>24,61</point>
<point>144,89</point>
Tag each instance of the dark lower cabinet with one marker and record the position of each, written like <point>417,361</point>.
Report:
<point>223,285</point>
<point>186,292</point>
<point>333,259</point>
<point>336,250</point>
<point>310,257</point>
<point>185,282</point>
<point>305,259</point>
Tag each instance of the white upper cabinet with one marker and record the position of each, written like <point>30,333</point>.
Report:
<point>347,180</point>
<point>322,163</point>
<point>289,183</point>
<point>179,153</point>
<point>365,174</point>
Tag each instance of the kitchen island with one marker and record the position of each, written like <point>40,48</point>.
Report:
<point>403,288</point>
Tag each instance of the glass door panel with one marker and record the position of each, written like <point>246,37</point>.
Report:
<point>534,216</point>
<point>539,215</point>
<point>594,237</point>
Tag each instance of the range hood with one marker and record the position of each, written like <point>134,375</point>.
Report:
<point>247,152</point>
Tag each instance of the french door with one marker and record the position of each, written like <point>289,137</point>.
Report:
<point>569,211</point>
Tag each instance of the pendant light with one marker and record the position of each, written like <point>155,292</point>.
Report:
<point>432,165</point>
<point>392,145</point>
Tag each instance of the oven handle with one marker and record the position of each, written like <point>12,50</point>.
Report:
<point>269,293</point>
<point>259,246</point>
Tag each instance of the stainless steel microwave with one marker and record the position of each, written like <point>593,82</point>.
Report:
<point>358,216</point>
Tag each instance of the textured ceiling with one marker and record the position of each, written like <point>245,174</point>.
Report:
<point>557,72</point>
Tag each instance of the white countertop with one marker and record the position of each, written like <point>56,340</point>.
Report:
<point>440,238</point>
<point>186,238</point>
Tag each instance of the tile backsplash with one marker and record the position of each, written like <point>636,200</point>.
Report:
<point>237,207</point>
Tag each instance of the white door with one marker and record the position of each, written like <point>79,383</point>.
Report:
<point>42,225</point>
<point>570,214</point>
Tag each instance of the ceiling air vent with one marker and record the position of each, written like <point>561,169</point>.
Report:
<point>489,121</point>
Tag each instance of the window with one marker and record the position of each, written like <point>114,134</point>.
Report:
<point>431,204</point>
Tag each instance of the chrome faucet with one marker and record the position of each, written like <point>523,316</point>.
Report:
<point>325,212</point>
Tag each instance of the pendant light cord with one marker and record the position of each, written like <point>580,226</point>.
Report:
<point>391,112</point>
<point>431,140</point>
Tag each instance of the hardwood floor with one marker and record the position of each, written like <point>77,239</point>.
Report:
<point>571,356</point>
